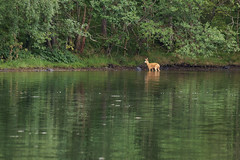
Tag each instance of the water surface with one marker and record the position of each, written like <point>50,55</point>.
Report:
<point>120,115</point>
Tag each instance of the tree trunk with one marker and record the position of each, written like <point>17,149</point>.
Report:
<point>104,24</point>
<point>78,12</point>
<point>171,35</point>
<point>79,37</point>
<point>86,29</point>
<point>78,42</point>
<point>54,42</point>
<point>237,27</point>
<point>82,45</point>
<point>49,43</point>
<point>104,27</point>
<point>125,46</point>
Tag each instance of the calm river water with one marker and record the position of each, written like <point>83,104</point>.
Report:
<point>120,115</point>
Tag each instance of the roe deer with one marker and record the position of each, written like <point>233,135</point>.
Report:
<point>151,66</point>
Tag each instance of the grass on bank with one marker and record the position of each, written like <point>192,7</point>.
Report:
<point>98,61</point>
<point>36,62</point>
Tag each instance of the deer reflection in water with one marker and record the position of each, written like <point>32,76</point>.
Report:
<point>151,79</point>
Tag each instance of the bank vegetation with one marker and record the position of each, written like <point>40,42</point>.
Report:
<point>85,33</point>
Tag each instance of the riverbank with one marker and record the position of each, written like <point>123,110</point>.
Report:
<point>106,63</point>
<point>177,67</point>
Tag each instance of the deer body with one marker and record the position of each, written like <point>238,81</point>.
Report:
<point>151,66</point>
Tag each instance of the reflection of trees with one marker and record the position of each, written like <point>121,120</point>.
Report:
<point>236,134</point>
<point>192,101</point>
<point>93,114</point>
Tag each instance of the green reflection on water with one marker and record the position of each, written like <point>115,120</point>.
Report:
<point>119,115</point>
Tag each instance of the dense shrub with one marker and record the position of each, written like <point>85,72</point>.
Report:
<point>57,56</point>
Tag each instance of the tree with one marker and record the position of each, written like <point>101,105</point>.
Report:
<point>117,18</point>
<point>177,25</point>
<point>194,27</point>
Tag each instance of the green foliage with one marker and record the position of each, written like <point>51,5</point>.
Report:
<point>98,61</point>
<point>14,51</point>
<point>57,56</point>
<point>200,40</point>
<point>27,62</point>
<point>156,31</point>
<point>120,17</point>
<point>127,27</point>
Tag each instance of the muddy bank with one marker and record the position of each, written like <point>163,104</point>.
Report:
<point>188,67</point>
<point>110,67</point>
